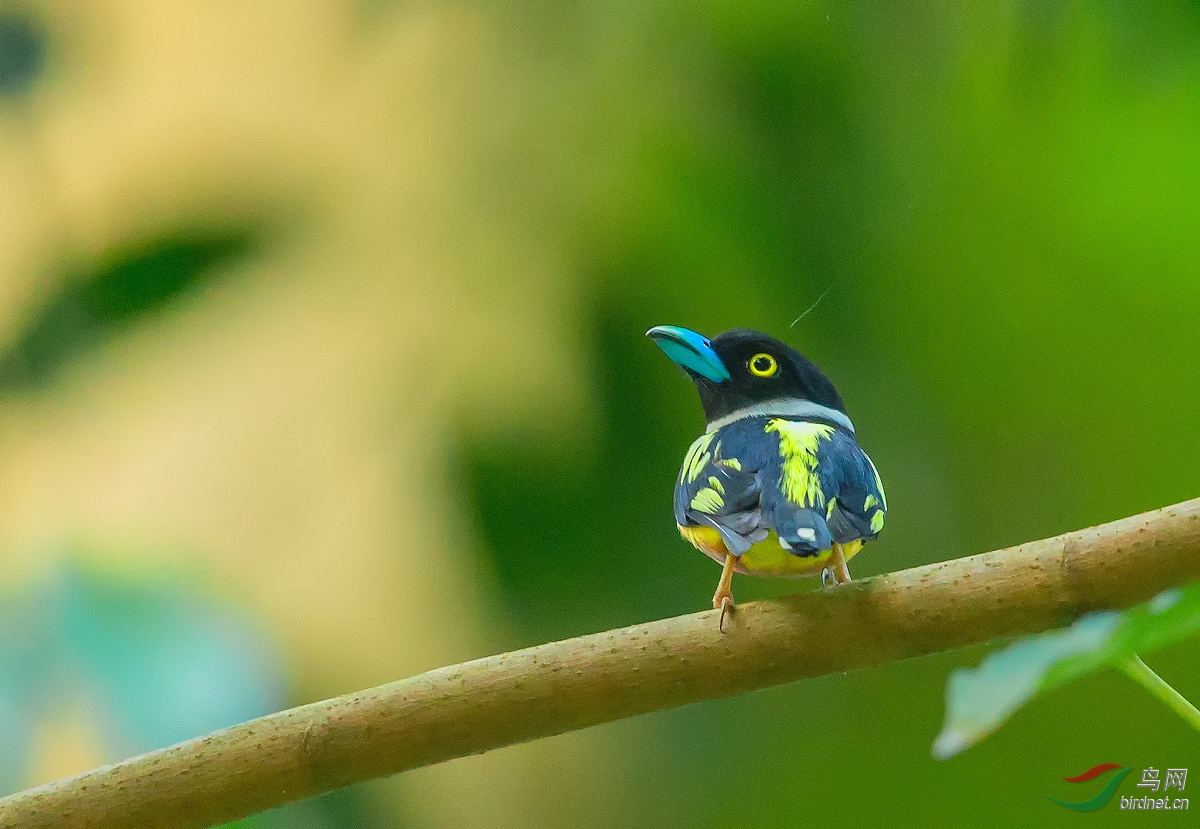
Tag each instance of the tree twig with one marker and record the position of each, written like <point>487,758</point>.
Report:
<point>492,702</point>
<point>1144,675</point>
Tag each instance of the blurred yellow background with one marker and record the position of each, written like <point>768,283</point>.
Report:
<point>321,364</point>
<point>281,431</point>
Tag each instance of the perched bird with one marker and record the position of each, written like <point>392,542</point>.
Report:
<point>777,484</point>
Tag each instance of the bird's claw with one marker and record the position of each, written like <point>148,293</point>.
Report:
<point>724,603</point>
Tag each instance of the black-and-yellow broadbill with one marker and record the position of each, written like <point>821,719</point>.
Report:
<point>777,484</point>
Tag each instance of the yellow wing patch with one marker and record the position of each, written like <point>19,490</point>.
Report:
<point>697,458</point>
<point>798,442</point>
<point>707,500</point>
<point>877,521</point>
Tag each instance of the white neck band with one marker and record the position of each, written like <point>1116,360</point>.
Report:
<point>787,407</point>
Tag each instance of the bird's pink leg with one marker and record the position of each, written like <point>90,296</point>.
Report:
<point>723,598</point>
<point>839,561</point>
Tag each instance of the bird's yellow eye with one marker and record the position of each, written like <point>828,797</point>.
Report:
<point>763,365</point>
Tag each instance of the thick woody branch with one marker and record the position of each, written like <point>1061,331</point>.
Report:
<point>513,697</point>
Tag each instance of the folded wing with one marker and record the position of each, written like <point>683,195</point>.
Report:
<point>715,491</point>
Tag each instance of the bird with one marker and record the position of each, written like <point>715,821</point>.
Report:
<point>777,484</point>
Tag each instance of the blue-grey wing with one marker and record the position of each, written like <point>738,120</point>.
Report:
<point>714,489</point>
<point>857,506</point>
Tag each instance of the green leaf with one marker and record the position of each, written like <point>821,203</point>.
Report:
<point>978,701</point>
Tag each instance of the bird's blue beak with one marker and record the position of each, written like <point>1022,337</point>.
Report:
<point>690,351</point>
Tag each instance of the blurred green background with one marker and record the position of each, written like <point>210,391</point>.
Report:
<point>321,364</point>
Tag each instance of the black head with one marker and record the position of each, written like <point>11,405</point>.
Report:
<point>742,368</point>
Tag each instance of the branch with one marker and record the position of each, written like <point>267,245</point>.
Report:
<point>513,697</point>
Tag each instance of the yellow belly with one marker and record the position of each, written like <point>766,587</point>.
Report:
<point>767,557</point>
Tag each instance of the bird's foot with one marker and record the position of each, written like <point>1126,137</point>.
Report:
<point>837,572</point>
<point>722,601</point>
<point>828,577</point>
<point>723,598</point>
